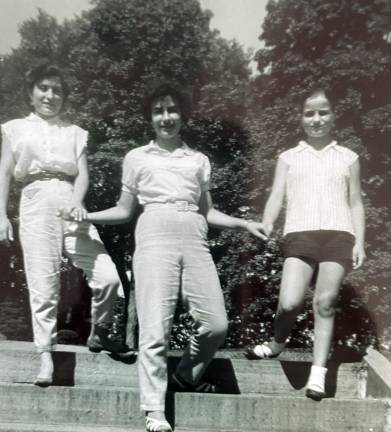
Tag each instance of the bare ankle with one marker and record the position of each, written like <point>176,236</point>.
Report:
<point>157,415</point>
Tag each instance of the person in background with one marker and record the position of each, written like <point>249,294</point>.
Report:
<point>323,234</point>
<point>48,157</point>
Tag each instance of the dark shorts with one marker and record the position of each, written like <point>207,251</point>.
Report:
<point>319,246</point>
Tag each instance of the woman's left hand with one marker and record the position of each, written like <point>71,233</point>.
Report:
<point>257,229</point>
<point>72,214</point>
<point>359,256</point>
<point>79,214</point>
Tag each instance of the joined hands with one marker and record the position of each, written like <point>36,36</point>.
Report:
<point>73,214</point>
<point>257,229</point>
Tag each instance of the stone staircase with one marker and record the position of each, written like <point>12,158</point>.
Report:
<point>94,392</point>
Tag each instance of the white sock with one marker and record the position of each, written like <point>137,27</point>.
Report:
<point>317,378</point>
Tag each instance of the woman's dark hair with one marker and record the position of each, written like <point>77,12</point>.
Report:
<point>312,91</point>
<point>40,72</point>
<point>166,89</point>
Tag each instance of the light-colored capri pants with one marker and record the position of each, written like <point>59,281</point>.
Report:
<point>44,237</point>
<point>172,255</point>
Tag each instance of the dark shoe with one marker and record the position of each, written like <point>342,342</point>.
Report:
<point>178,384</point>
<point>43,381</point>
<point>315,395</point>
<point>100,340</point>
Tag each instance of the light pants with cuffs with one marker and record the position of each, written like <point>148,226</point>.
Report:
<point>172,257</point>
<point>45,237</point>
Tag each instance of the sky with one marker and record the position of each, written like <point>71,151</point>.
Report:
<point>239,19</point>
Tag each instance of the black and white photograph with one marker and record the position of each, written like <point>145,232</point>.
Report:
<point>195,216</point>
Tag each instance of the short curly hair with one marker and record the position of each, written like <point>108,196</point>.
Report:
<point>40,72</point>
<point>315,90</point>
<point>163,89</point>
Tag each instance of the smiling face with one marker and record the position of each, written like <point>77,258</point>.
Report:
<point>166,117</point>
<point>47,97</point>
<point>318,117</point>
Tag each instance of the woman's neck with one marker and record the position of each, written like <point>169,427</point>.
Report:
<point>319,143</point>
<point>169,144</point>
<point>46,118</point>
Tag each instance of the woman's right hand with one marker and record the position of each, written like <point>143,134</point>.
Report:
<point>66,213</point>
<point>6,231</point>
<point>268,228</point>
<point>72,214</point>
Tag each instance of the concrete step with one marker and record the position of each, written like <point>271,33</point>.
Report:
<point>75,366</point>
<point>28,427</point>
<point>119,407</point>
<point>38,427</point>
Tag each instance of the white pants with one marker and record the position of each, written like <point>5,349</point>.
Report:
<point>44,236</point>
<point>172,254</point>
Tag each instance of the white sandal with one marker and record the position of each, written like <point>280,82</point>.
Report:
<point>261,352</point>
<point>154,425</point>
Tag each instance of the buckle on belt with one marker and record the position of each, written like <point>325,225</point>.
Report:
<point>182,206</point>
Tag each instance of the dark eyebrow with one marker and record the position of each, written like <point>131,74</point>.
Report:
<point>56,88</point>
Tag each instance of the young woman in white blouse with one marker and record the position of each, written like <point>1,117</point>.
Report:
<point>171,181</point>
<point>48,156</point>
<point>323,233</point>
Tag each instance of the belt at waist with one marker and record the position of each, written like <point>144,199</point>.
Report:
<point>176,205</point>
<point>44,176</point>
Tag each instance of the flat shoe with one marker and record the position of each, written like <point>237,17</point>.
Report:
<point>314,394</point>
<point>97,344</point>
<point>180,385</point>
<point>43,381</point>
<point>261,352</point>
<point>154,425</point>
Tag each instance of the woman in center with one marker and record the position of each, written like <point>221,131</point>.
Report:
<point>171,181</point>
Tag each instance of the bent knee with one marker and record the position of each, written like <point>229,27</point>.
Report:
<point>107,281</point>
<point>289,307</point>
<point>218,328</point>
<point>325,307</point>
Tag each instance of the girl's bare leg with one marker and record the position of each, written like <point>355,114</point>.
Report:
<point>324,304</point>
<point>328,283</point>
<point>296,277</point>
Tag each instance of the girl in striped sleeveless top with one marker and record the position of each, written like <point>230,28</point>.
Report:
<point>323,232</point>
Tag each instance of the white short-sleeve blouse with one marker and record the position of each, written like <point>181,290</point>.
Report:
<point>317,188</point>
<point>156,175</point>
<point>40,145</point>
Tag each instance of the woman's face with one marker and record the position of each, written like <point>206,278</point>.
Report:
<point>166,117</point>
<point>318,117</point>
<point>47,97</point>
